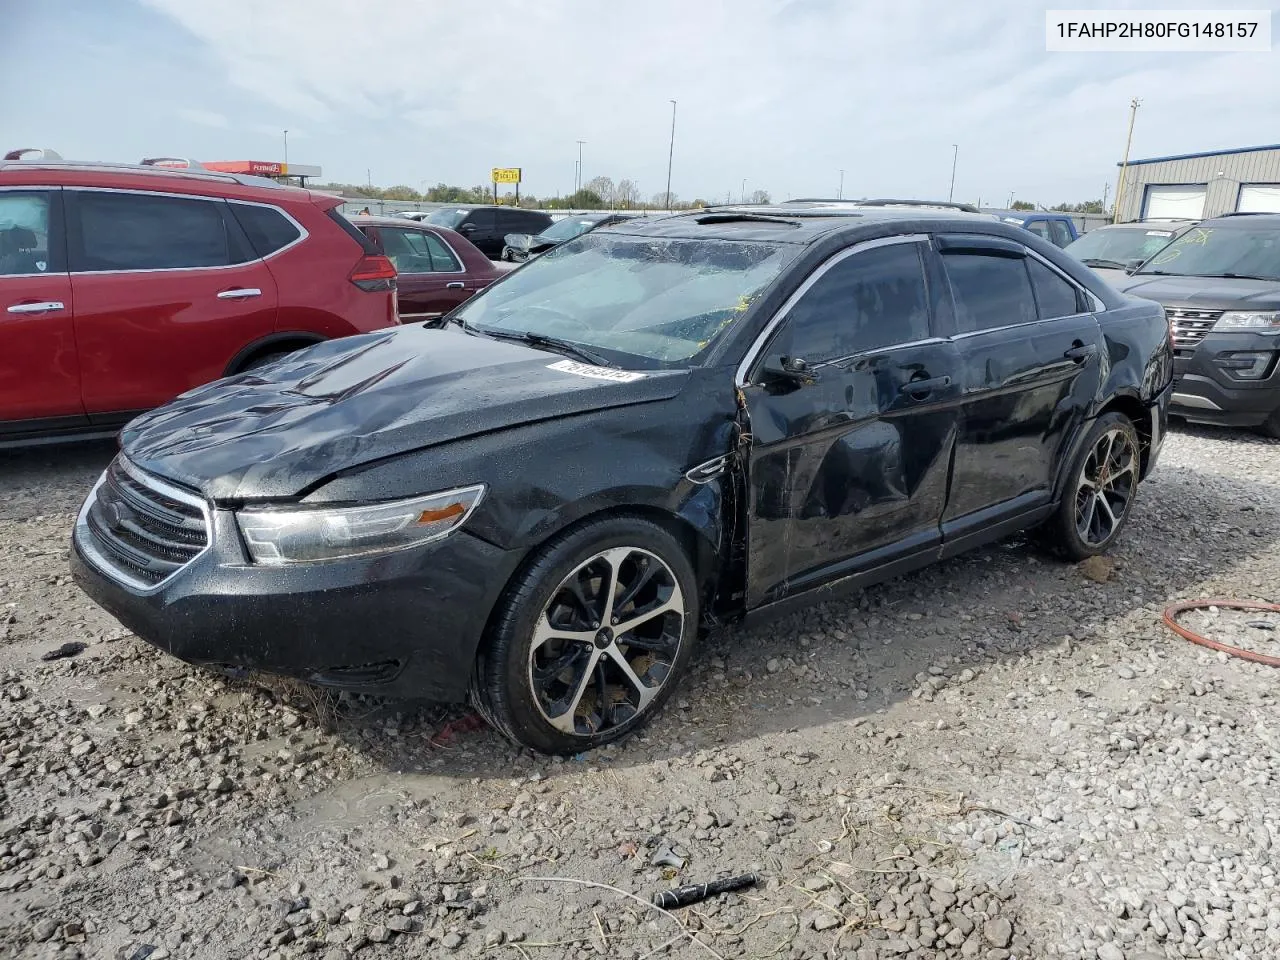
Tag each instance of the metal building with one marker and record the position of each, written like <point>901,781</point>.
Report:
<point>1197,185</point>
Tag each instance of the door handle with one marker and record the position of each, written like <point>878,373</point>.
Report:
<point>1080,352</point>
<point>241,293</point>
<point>455,285</point>
<point>920,389</point>
<point>43,307</point>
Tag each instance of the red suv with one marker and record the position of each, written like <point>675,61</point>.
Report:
<point>122,286</point>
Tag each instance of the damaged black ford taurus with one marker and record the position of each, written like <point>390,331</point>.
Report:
<point>539,500</point>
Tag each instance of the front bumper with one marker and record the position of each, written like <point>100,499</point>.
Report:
<point>403,624</point>
<point>1205,392</point>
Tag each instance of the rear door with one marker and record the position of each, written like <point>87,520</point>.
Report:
<point>432,280</point>
<point>1030,370</point>
<point>849,472</point>
<point>39,365</point>
<point>169,289</point>
<point>481,228</point>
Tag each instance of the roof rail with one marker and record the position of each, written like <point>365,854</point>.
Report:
<point>21,154</point>
<point>945,204</point>
<point>1246,213</point>
<point>176,163</point>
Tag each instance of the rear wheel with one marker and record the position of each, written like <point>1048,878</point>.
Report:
<point>591,639</point>
<point>263,359</point>
<point>1099,493</point>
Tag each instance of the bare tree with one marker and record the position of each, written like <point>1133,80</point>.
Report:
<point>627,194</point>
<point>759,196</point>
<point>659,201</point>
<point>603,188</point>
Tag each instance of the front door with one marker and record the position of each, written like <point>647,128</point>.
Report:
<point>849,465</point>
<point>481,228</point>
<point>168,292</point>
<point>431,279</point>
<point>1030,367</point>
<point>39,367</point>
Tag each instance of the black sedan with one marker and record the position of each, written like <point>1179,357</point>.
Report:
<point>542,499</point>
<point>519,247</point>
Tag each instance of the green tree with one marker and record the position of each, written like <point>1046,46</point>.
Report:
<point>1086,206</point>
<point>1023,205</point>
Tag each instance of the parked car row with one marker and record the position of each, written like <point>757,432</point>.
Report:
<point>519,247</point>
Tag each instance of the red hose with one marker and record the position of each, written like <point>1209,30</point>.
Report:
<point>1172,612</point>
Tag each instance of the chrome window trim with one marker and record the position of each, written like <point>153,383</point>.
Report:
<point>303,232</point>
<point>447,244</point>
<point>753,352</point>
<point>84,536</point>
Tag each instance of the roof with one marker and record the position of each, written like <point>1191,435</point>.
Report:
<point>778,223</point>
<point>1197,156</point>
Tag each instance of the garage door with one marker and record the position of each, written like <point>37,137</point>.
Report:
<point>1259,198</point>
<point>1174,203</point>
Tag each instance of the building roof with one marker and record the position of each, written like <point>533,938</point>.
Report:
<point>1197,156</point>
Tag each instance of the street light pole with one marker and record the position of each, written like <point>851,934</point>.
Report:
<point>286,152</point>
<point>840,192</point>
<point>744,190</point>
<point>671,150</point>
<point>580,143</point>
<point>955,155</point>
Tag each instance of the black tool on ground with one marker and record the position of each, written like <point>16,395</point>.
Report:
<point>66,650</point>
<point>697,892</point>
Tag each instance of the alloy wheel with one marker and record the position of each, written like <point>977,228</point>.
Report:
<point>1108,479</point>
<point>604,644</point>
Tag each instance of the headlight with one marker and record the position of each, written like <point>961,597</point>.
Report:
<point>1236,320</point>
<point>277,536</point>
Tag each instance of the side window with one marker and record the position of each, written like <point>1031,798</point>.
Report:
<point>534,223</point>
<point>989,291</point>
<point>1059,233</point>
<point>266,227</point>
<point>24,233</point>
<point>1054,296</point>
<point>1039,227</point>
<point>442,258</point>
<point>406,249</point>
<point>482,219</point>
<point>133,231</point>
<point>871,299</point>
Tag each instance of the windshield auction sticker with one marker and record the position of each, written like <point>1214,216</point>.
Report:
<point>1157,31</point>
<point>598,373</point>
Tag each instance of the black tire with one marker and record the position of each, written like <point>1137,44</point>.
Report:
<point>521,639</point>
<point>1271,426</point>
<point>1076,533</point>
<point>265,358</point>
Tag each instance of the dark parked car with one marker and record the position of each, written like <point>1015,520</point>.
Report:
<point>1116,249</point>
<point>123,285</point>
<point>487,227</point>
<point>1058,228</point>
<point>519,247</point>
<point>1220,286</point>
<point>436,268</point>
<point>647,430</point>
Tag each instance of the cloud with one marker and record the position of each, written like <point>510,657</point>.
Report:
<point>205,118</point>
<point>782,92</point>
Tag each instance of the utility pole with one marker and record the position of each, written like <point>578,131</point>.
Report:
<point>1124,166</point>
<point>1106,189</point>
<point>744,190</point>
<point>286,152</point>
<point>580,143</point>
<point>840,192</point>
<point>1009,205</point>
<point>368,176</point>
<point>955,155</point>
<point>671,151</point>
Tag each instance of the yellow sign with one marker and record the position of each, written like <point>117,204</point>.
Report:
<point>506,174</point>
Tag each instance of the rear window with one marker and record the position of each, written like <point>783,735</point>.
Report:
<point>267,228</point>
<point>352,231</point>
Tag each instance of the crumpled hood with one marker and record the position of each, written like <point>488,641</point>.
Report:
<point>275,432</point>
<point>1216,293</point>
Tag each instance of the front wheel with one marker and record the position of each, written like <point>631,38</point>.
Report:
<point>1099,493</point>
<point>590,640</point>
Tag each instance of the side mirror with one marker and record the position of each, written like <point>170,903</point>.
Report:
<point>794,371</point>
<point>467,228</point>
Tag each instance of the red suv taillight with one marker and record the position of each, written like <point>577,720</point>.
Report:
<point>373,274</point>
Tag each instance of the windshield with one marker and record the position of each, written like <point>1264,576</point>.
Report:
<point>1219,252</point>
<point>568,228</point>
<point>657,301</point>
<point>447,217</point>
<point>1119,245</point>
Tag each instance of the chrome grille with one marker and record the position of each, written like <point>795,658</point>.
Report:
<point>139,529</point>
<point>1190,326</point>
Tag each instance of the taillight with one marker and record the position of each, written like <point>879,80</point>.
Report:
<point>373,274</point>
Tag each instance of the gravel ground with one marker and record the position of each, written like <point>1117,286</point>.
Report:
<point>1003,756</point>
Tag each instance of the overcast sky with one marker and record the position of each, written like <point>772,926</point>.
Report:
<point>783,93</point>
